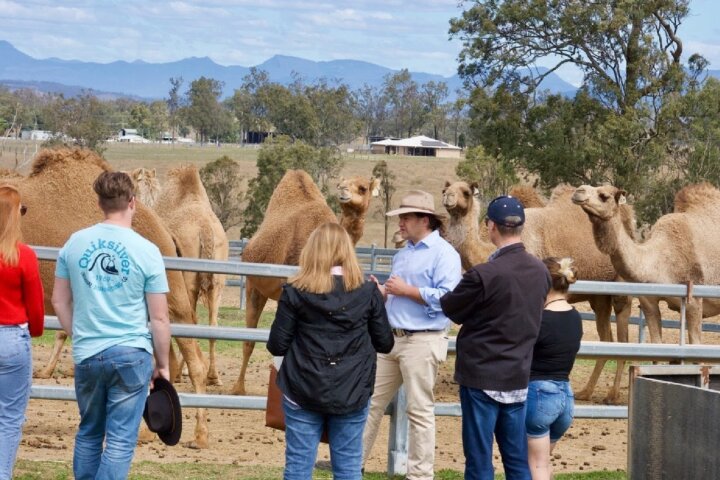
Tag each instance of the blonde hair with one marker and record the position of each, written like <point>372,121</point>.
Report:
<point>562,272</point>
<point>10,233</point>
<point>329,245</point>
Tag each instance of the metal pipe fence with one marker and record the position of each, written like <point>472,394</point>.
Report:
<point>399,423</point>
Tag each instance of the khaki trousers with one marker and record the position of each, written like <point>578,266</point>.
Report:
<point>414,362</point>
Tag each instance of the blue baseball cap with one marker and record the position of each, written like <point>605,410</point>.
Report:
<point>507,211</point>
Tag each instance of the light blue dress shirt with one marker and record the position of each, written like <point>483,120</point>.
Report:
<point>434,267</point>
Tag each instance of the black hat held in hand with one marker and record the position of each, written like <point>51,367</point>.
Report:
<point>162,413</point>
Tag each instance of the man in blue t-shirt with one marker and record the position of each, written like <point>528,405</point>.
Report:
<point>108,281</point>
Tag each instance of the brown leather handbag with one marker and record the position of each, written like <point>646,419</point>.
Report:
<point>274,415</point>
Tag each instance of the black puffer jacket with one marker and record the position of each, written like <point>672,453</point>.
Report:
<point>330,342</point>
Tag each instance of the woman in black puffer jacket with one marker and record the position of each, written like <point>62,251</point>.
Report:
<point>329,325</point>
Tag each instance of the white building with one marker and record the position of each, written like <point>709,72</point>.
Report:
<point>130,135</point>
<point>41,135</point>
<point>416,146</point>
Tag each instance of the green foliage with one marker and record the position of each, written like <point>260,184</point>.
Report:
<point>404,100</point>
<point>204,112</point>
<point>83,121</point>
<point>382,171</point>
<point>223,182</point>
<point>493,175</point>
<point>277,156</point>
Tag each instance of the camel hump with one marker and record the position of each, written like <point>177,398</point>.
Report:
<point>295,188</point>
<point>48,158</point>
<point>187,180</point>
<point>527,195</point>
<point>696,197</point>
<point>562,191</point>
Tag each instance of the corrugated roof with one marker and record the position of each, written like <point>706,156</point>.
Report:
<point>421,141</point>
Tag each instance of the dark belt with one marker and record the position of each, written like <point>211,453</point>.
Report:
<point>401,332</point>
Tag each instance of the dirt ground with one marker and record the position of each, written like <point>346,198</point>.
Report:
<point>240,436</point>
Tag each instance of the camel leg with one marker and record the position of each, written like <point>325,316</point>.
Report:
<point>213,297</point>
<point>47,372</point>
<point>253,308</point>
<point>623,309</point>
<point>191,353</point>
<point>601,305</point>
<point>693,315</point>
<point>651,309</point>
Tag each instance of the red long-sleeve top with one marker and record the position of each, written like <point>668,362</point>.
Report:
<point>21,292</point>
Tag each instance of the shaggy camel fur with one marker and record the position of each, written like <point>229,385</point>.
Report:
<point>185,209</point>
<point>529,197</point>
<point>295,209</point>
<point>462,231</point>
<point>147,186</point>
<point>561,229</point>
<point>60,200</point>
<point>354,196</point>
<point>682,248</point>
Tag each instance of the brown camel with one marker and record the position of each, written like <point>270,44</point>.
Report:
<point>185,209</point>
<point>529,196</point>
<point>462,231</point>
<point>295,209</point>
<point>147,186</point>
<point>561,229</point>
<point>354,196</point>
<point>60,200</point>
<point>681,248</point>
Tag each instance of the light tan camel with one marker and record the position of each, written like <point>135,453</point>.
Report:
<point>462,231</point>
<point>147,186</point>
<point>398,240</point>
<point>295,209</point>
<point>561,229</point>
<point>185,209</point>
<point>528,196</point>
<point>60,200</point>
<point>682,248</point>
<point>354,195</point>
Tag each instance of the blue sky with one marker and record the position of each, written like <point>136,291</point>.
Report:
<point>393,33</point>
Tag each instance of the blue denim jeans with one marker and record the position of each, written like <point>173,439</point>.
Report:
<point>15,381</point>
<point>550,409</point>
<point>481,418</point>
<point>303,430</point>
<point>111,388</point>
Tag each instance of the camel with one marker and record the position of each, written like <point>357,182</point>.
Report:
<point>60,200</point>
<point>561,229</point>
<point>185,209</point>
<point>681,248</point>
<point>147,186</point>
<point>295,209</point>
<point>462,232</point>
<point>528,196</point>
<point>398,240</point>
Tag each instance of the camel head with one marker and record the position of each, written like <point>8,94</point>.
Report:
<point>147,186</point>
<point>398,239</point>
<point>600,203</point>
<point>458,197</point>
<point>355,192</point>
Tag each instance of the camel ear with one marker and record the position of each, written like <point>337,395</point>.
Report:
<point>152,172</point>
<point>621,197</point>
<point>447,183</point>
<point>375,187</point>
<point>475,188</point>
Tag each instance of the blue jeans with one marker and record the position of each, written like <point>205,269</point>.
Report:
<point>111,388</point>
<point>303,430</point>
<point>15,381</point>
<point>550,409</point>
<point>481,417</point>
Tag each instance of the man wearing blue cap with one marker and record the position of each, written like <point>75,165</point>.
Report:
<point>499,305</point>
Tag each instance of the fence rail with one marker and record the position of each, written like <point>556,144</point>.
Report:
<point>398,440</point>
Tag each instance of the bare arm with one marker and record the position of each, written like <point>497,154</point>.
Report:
<point>62,302</point>
<point>160,326</point>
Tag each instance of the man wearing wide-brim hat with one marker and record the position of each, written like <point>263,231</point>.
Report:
<point>422,272</point>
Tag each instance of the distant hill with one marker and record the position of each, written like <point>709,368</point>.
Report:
<point>68,91</point>
<point>151,80</point>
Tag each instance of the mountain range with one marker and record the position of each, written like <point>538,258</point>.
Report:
<point>144,80</point>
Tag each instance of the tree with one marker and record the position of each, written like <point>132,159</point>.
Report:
<point>434,95</point>
<point>278,155</point>
<point>204,112</point>
<point>84,120</point>
<point>334,109</point>
<point>247,105</point>
<point>370,105</point>
<point>493,175</point>
<point>404,102</point>
<point>174,104</point>
<point>140,119</point>
<point>224,185</point>
<point>382,171</point>
<point>616,128</point>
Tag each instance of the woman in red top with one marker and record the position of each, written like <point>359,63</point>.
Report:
<point>21,316</point>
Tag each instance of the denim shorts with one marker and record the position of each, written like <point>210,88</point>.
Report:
<point>550,409</point>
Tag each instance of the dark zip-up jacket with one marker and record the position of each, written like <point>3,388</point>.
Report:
<point>329,342</point>
<point>499,305</point>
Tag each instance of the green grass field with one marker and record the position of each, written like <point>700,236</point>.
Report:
<point>27,470</point>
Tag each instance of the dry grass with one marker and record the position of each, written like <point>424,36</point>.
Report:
<point>423,173</point>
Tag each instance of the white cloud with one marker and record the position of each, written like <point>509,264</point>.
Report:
<point>50,12</point>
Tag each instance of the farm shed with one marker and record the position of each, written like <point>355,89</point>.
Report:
<point>421,146</point>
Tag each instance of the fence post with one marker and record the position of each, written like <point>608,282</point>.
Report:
<point>242,292</point>
<point>372,257</point>
<point>398,438</point>
<point>641,327</point>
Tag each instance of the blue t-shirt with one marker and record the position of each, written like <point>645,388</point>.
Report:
<point>110,269</point>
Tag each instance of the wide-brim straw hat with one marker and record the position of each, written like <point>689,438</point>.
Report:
<point>416,201</point>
